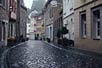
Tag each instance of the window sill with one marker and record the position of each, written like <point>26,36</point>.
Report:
<point>0,5</point>
<point>84,37</point>
<point>96,39</point>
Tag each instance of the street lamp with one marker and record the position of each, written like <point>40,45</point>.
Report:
<point>54,3</point>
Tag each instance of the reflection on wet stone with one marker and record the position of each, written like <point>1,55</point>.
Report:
<point>41,55</point>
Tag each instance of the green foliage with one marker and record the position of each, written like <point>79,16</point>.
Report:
<point>64,30</point>
<point>59,33</point>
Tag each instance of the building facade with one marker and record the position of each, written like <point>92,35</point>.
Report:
<point>12,19</point>
<point>23,20</point>
<point>37,27</point>
<point>57,19</point>
<point>68,18</point>
<point>48,20</point>
<point>3,22</point>
<point>53,18</point>
<point>88,25</point>
<point>32,28</point>
<point>28,28</point>
<point>39,34</point>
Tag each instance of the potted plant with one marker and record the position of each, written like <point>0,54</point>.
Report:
<point>59,41</point>
<point>11,41</point>
<point>48,40</point>
<point>64,30</point>
<point>60,33</point>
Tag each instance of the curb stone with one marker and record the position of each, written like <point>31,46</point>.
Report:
<point>3,59</point>
<point>3,56</point>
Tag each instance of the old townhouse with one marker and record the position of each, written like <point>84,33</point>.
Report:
<point>12,20</point>
<point>3,22</point>
<point>23,20</point>
<point>57,19</point>
<point>48,19</point>
<point>88,25</point>
<point>53,20</point>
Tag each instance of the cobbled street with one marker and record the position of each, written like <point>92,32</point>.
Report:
<point>38,54</point>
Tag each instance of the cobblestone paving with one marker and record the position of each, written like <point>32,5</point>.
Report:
<point>38,54</point>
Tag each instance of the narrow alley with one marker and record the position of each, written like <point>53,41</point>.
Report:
<point>39,54</point>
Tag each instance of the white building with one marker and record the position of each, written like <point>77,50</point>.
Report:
<point>32,28</point>
<point>68,17</point>
<point>28,30</point>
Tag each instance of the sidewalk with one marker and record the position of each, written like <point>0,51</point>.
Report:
<point>78,51</point>
<point>2,49</point>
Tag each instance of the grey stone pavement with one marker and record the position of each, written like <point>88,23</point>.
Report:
<point>39,54</point>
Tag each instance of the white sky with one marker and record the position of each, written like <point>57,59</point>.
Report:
<point>28,3</point>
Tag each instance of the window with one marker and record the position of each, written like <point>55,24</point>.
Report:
<point>83,24</point>
<point>96,21</point>
<point>4,3</point>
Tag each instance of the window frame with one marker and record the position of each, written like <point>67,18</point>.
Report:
<point>3,3</point>
<point>83,25</point>
<point>95,31</point>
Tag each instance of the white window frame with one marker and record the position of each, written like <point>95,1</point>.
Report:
<point>84,29</point>
<point>82,24</point>
<point>95,20</point>
<point>98,37</point>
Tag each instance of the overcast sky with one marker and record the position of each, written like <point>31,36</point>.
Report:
<point>28,3</point>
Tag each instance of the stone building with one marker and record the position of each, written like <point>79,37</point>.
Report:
<point>12,19</point>
<point>57,19</point>
<point>53,20</point>
<point>48,20</point>
<point>23,20</point>
<point>38,5</point>
<point>3,22</point>
<point>32,28</point>
<point>88,25</point>
<point>39,34</point>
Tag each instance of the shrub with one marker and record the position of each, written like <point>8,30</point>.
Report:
<point>48,40</point>
<point>59,41</point>
<point>64,41</point>
<point>59,33</point>
<point>64,30</point>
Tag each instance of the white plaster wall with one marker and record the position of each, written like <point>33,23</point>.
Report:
<point>68,17</point>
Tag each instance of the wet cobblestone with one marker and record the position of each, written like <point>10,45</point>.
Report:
<point>37,54</point>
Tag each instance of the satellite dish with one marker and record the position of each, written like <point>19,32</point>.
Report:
<point>53,3</point>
